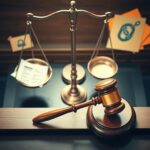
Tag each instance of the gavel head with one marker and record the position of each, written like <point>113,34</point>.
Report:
<point>110,96</point>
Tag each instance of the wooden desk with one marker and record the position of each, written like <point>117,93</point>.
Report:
<point>66,132</point>
<point>21,119</point>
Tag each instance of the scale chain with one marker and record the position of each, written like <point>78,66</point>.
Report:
<point>95,52</point>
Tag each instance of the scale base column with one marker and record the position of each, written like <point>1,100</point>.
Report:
<point>73,98</point>
<point>67,71</point>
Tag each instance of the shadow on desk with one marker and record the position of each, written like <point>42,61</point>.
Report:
<point>34,101</point>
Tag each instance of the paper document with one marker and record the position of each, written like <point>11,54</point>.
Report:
<point>146,33</point>
<point>31,74</point>
<point>126,33</point>
<point>17,43</point>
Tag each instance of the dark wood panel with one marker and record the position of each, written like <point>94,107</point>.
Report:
<point>12,16</point>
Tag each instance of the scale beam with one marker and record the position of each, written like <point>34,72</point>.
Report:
<point>73,93</point>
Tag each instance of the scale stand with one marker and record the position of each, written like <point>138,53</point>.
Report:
<point>66,74</point>
<point>73,93</point>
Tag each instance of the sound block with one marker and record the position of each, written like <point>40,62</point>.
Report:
<point>111,126</point>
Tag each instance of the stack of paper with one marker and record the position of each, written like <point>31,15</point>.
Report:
<point>31,74</point>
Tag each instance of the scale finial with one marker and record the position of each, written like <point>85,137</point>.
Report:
<point>72,3</point>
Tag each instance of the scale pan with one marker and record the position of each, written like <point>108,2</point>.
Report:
<point>38,81</point>
<point>102,67</point>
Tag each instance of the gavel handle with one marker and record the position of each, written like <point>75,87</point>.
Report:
<point>59,112</point>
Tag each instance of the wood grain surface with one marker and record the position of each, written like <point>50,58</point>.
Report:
<point>21,119</point>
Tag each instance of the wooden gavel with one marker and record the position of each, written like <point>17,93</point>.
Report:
<point>108,96</point>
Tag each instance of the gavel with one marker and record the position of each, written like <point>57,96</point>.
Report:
<point>108,96</point>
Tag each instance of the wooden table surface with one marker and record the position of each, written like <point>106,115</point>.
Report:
<point>21,119</point>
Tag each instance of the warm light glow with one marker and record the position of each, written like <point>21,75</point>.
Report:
<point>102,71</point>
